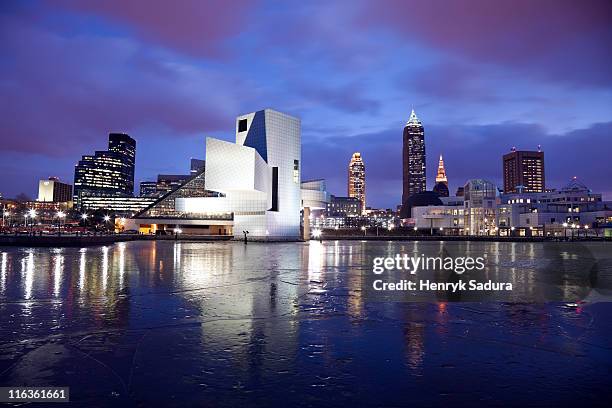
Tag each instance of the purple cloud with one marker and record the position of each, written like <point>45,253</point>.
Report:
<point>548,39</point>
<point>194,27</point>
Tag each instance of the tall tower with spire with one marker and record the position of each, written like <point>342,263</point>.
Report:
<point>413,158</point>
<point>441,186</point>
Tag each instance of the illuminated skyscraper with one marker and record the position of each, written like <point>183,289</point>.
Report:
<point>413,156</point>
<point>356,180</point>
<point>108,173</point>
<point>524,171</point>
<point>441,186</point>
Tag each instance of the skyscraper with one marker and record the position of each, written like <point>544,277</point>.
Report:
<point>413,156</point>
<point>356,180</point>
<point>441,186</point>
<point>108,173</point>
<point>524,170</point>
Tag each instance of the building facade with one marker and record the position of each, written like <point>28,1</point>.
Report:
<point>148,189</point>
<point>480,207</point>
<point>574,206</point>
<point>413,157</point>
<point>344,207</point>
<point>107,173</point>
<point>357,180</point>
<point>524,171</point>
<point>53,190</point>
<point>123,205</point>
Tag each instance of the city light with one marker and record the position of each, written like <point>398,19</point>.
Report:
<point>177,230</point>
<point>316,233</point>
<point>363,228</point>
<point>415,228</point>
<point>107,218</point>
<point>586,227</point>
<point>32,213</point>
<point>390,227</point>
<point>565,225</point>
<point>512,228</point>
<point>84,216</point>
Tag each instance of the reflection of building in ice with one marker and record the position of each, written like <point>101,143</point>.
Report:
<point>246,313</point>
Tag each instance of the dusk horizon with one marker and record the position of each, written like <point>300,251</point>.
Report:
<point>484,80</point>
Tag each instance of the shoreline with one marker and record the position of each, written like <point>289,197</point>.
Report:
<point>93,240</point>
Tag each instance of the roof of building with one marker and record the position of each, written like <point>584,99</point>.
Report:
<point>413,119</point>
<point>575,185</point>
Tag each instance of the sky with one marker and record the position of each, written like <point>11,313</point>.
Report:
<point>482,77</point>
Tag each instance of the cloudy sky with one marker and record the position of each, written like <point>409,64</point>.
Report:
<point>482,76</point>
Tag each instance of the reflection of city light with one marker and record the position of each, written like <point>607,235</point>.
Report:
<point>3,273</point>
<point>121,246</point>
<point>27,268</point>
<point>82,264</point>
<point>104,267</point>
<point>57,274</point>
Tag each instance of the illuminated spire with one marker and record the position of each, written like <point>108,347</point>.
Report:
<point>441,177</point>
<point>413,119</point>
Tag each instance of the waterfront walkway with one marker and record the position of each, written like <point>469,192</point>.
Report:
<point>80,240</point>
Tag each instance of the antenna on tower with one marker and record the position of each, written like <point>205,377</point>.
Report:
<point>539,148</point>
<point>513,149</point>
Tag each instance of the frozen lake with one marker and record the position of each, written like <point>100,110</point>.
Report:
<point>223,324</point>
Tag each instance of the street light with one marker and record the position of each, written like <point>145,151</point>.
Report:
<point>31,214</point>
<point>316,233</point>
<point>363,228</point>
<point>60,216</point>
<point>107,218</point>
<point>84,216</point>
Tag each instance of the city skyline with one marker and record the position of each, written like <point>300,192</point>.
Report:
<point>75,71</point>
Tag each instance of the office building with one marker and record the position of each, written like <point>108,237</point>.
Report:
<point>441,186</point>
<point>252,186</point>
<point>148,189</point>
<point>170,182</point>
<point>356,180</point>
<point>53,190</point>
<point>413,157</point>
<point>344,207</point>
<point>524,171</point>
<point>107,173</point>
